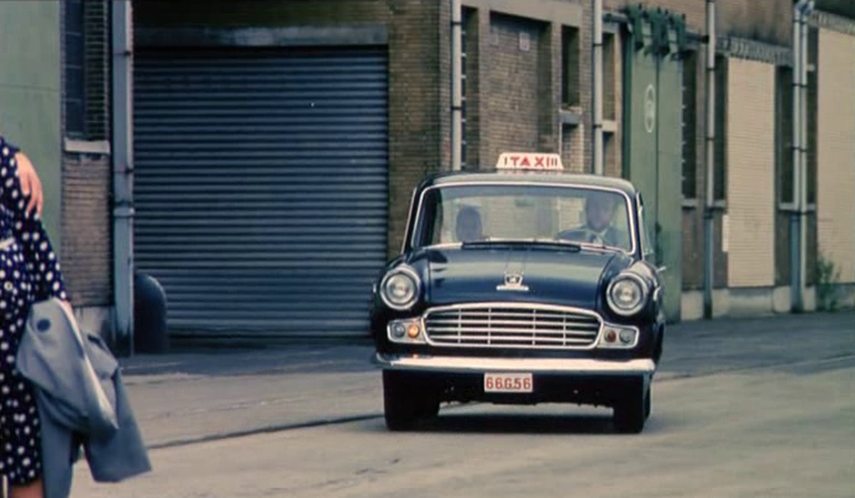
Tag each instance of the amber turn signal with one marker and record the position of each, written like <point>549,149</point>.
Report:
<point>413,331</point>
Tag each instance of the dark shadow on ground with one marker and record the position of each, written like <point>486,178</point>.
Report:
<point>519,424</point>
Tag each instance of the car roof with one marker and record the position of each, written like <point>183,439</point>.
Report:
<point>545,177</point>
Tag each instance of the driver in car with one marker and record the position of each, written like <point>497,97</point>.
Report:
<point>600,210</point>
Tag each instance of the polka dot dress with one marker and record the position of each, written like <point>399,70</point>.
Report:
<point>29,272</point>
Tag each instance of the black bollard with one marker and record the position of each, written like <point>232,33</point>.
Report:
<point>150,334</point>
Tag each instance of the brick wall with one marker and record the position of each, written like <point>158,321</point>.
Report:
<point>750,177</point>
<point>836,151</point>
<point>513,96</point>
<point>86,228</point>
<point>417,118</point>
<point>513,85</point>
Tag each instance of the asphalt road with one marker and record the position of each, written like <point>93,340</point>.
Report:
<point>745,411</point>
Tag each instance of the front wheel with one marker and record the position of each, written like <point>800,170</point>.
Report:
<point>632,410</point>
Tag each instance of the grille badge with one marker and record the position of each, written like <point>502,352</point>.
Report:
<point>513,282</point>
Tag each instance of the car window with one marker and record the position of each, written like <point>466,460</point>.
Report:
<point>468,213</point>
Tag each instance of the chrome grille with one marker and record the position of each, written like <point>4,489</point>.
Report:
<point>505,326</point>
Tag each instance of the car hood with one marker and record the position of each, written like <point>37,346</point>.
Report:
<point>550,276</point>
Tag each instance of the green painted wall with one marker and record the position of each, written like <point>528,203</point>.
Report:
<point>30,93</point>
<point>653,147</point>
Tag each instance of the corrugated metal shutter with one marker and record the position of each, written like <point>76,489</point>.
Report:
<point>261,186</point>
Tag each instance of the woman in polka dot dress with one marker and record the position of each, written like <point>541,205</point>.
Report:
<point>29,272</point>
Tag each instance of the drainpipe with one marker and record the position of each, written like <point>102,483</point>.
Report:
<point>709,149</point>
<point>598,88</point>
<point>456,85</point>
<point>803,164</point>
<point>798,220</point>
<point>122,146</point>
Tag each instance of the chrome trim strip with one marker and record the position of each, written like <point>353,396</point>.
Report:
<point>521,306</point>
<point>407,234</point>
<point>409,237</point>
<point>462,364</point>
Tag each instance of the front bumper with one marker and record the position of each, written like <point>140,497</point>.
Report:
<point>462,364</point>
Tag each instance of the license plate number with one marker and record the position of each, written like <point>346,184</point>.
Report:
<point>508,383</point>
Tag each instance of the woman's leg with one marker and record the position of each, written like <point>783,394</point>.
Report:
<point>32,490</point>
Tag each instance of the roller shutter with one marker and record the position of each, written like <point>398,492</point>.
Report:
<point>261,187</point>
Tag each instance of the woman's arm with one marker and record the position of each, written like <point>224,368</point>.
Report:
<point>42,261</point>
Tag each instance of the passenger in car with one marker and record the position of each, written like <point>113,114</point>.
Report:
<point>468,227</point>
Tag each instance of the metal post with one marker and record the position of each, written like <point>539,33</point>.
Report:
<point>122,147</point>
<point>598,88</point>
<point>456,85</point>
<point>709,149</point>
<point>797,220</point>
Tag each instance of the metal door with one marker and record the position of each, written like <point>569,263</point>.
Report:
<point>261,187</point>
<point>653,137</point>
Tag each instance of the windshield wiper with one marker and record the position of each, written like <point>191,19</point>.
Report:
<point>558,243</point>
<point>598,245</point>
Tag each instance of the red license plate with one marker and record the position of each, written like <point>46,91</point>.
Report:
<point>508,383</point>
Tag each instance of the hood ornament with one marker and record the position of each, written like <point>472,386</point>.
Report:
<point>513,282</point>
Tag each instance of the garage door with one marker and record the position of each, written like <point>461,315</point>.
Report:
<point>261,187</point>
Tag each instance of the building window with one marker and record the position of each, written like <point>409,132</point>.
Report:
<point>720,173</point>
<point>609,69</point>
<point>74,79</point>
<point>569,66</point>
<point>464,45</point>
<point>812,115</point>
<point>690,122</point>
<point>784,133</point>
<point>86,69</point>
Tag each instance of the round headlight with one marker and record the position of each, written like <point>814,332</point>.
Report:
<point>400,288</point>
<point>627,294</point>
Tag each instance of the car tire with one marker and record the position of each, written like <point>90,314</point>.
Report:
<point>648,401</point>
<point>428,408</point>
<point>400,408</point>
<point>631,411</point>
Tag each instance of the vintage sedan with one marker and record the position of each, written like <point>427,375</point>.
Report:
<point>520,287</point>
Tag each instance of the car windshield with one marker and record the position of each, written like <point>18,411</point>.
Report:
<point>500,213</point>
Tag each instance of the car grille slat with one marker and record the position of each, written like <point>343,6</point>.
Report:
<point>516,326</point>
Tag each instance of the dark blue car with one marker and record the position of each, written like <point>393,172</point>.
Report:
<point>520,287</point>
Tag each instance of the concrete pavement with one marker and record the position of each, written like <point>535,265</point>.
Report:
<point>210,394</point>
<point>742,408</point>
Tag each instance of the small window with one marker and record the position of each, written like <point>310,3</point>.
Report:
<point>569,66</point>
<point>720,181</point>
<point>609,78</point>
<point>75,119</point>
<point>784,133</point>
<point>86,69</point>
<point>689,126</point>
<point>812,114</point>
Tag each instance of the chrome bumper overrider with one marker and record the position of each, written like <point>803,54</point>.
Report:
<point>462,364</point>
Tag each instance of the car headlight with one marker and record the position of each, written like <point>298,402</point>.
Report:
<point>627,294</point>
<point>399,289</point>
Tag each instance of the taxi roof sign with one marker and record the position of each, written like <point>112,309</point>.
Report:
<point>535,161</point>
